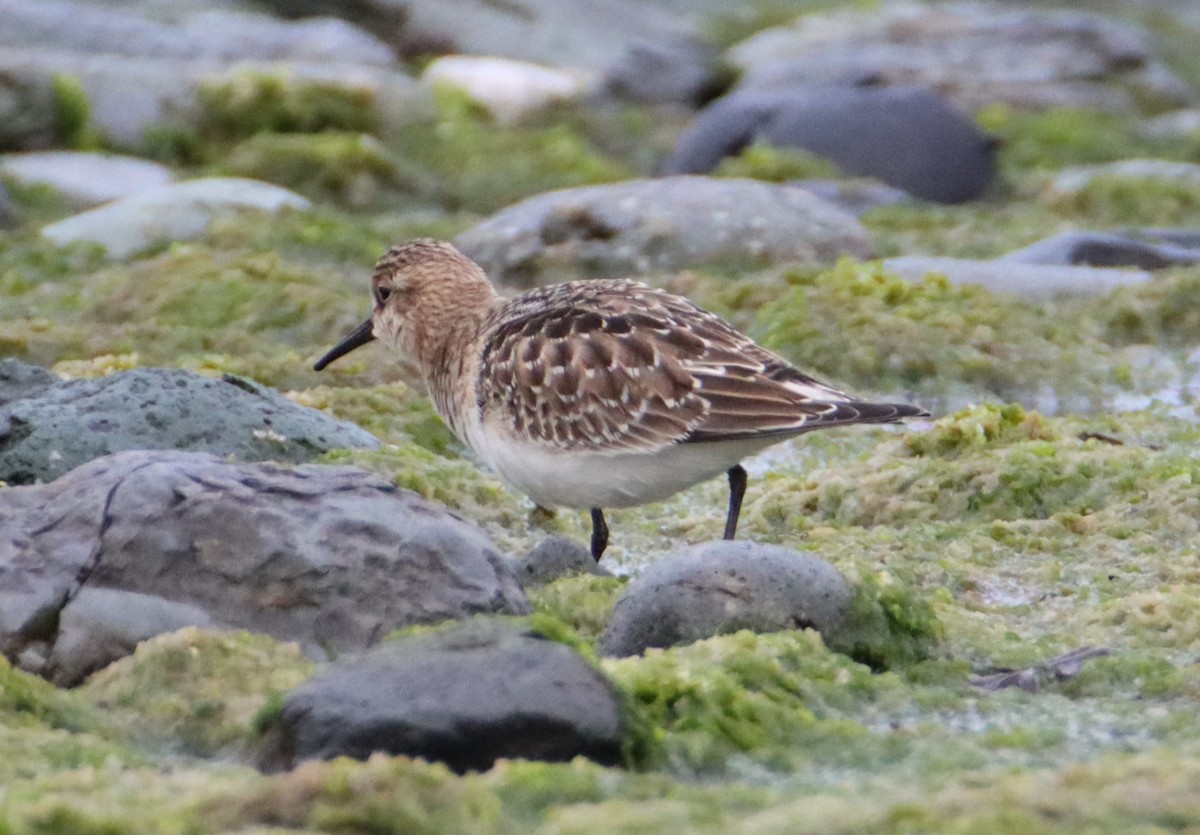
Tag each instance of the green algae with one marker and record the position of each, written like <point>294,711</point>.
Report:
<point>1129,201</point>
<point>997,538</point>
<point>73,114</point>
<point>781,700</point>
<point>890,625</point>
<point>350,168</point>
<point>1057,137</point>
<point>983,229</point>
<point>584,602</point>
<point>44,730</point>
<point>1164,312</point>
<point>249,103</point>
<point>860,324</point>
<point>760,161</point>
<point>482,166</point>
<point>394,413</point>
<point>197,692</point>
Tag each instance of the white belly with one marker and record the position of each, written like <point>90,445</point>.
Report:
<point>590,479</point>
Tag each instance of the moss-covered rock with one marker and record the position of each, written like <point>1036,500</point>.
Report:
<point>482,166</point>
<point>584,602</point>
<point>249,103</point>
<point>195,691</point>
<point>777,165</point>
<point>350,168</point>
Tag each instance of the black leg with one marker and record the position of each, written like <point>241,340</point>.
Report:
<point>599,534</point>
<point>737,489</point>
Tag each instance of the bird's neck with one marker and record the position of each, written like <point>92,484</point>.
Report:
<point>446,354</point>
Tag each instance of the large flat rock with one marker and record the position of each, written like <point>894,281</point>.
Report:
<point>330,557</point>
<point>665,224</point>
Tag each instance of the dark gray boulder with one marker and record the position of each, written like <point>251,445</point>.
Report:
<point>330,557</point>
<point>719,587</point>
<point>45,435</point>
<point>667,224</point>
<point>554,557</point>
<point>465,696</point>
<point>908,137</point>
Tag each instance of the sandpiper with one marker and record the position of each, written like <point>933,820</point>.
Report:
<point>593,394</point>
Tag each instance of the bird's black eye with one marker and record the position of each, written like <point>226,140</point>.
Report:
<point>382,293</point>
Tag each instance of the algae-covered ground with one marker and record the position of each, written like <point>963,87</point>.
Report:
<point>1052,505</point>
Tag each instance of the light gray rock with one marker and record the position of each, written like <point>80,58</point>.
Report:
<point>582,33</point>
<point>330,557</point>
<point>907,137</point>
<point>86,179</point>
<point>173,212</point>
<point>99,626</point>
<point>465,696</point>
<point>45,435</point>
<point>555,557</point>
<point>508,89</point>
<point>975,53</point>
<point>1079,177</point>
<point>224,35</point>
<point>141,74</point>
<point>671,223</point>
<point>1178,124</point>
<point>237,35</point>
<point>1105,249</point>
<point>1030,281</point>
<point>640,50</point>
<point>724,586</point>
<point>19,380</point>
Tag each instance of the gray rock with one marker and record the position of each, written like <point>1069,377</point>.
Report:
<point>854,196</point>
<point>99,626</point>
<point>1077,178</point>
<point>1104,249</point>
<point>178,211</point>
<point>672,223</point>
<point>465,696</point>
<point>86,179</point>
<point>974,53</point>
<point>680,72</point>
<point>581,33</point>
<point>71,423</point>
<point>645,51</point>
<point>139,73</point>
<point>554,557</point>
<point>908,137</point>
<point>19,380</point>
<point>1030,281</point>
<point>724,586</point>
<point>330,557</point>
<point>1178,124</point>
<point>9,215</point>
<point>217,34</point>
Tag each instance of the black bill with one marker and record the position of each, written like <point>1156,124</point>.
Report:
<point>358,337</point>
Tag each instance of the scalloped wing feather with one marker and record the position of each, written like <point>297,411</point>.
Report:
<point>617,365</point>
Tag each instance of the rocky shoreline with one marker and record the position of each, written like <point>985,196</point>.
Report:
<point>238,596</point>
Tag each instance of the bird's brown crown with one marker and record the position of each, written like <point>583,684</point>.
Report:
<point>423,291</point>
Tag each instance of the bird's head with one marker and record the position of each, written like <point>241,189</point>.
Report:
<point>421,290</point>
